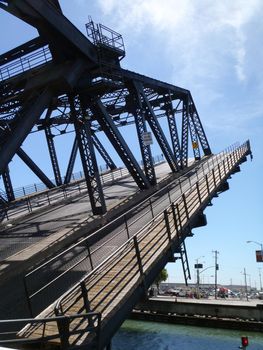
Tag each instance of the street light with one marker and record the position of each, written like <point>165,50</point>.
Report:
<point>198,266</point>
<point>259,253</point>
<point>260,244</point>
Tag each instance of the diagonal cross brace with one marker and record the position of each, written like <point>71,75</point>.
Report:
<point>158,133</point>
<point>119,144</point>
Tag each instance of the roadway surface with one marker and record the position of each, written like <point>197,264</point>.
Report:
<point>37,227</point>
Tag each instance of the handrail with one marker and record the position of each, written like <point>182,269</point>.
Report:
<point>83,241</point>
<point>114,253</point>
<point>64,331</point>
<point>120,220</point>
<point>121,273</point>
<point>25,203</point>
<point>25,63</point>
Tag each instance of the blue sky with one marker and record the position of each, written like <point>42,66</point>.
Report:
<point>214,49</point>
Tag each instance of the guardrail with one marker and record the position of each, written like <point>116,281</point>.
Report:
<point>47,197</point>
<point>60,330</point>
<point>112,282</point>
<point>84,256</point>
<point>36,196</point>
<point>128,269</point>
<point>25,63</point>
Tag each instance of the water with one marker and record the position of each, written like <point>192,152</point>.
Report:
<point>140,335</point>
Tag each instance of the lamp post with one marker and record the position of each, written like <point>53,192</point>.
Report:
<point>260,244</point>
<point>216,252</point>
<point>198,266</point>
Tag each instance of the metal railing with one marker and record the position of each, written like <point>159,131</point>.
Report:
<point>29,203</point>
<point>57,329</point>
<point>25,63</point>
<point>114,280</point>
<point>35,196</point>
<point>84,256</point>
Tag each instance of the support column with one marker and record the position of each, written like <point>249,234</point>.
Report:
<point>8,186</point>
<point>185,125</point>
<point>36,170</point>
<point>194,139</point>
<point>170,114</point>
<point>158,133</point>
<point>199,128</point>
<point>102,151</point>
<point>135,105</point>
<point>53,155</point>
<point>119,143</point>
<point>71,162</point>
<point>87,155</point>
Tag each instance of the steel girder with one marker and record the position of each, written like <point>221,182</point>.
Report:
<point>102,151</point>
<point>158,133</point>
<point>71,162</point>
<point>100,113</point>
<point>22,126</point>
<point>194,138</point>
<point>36,170</point>
<point>87,155</point>
<point>173,130</point>
<point>199,128</point>
<point>135,104</point>
<point>65,39</point>
<point>8,186</point>
<point>73,66</point>
<point>53,155</point>
<point>185,125</point>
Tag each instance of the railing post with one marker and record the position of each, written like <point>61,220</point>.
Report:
<point>219,171</point>
<point>28,298</point>
<point>207,184</point>
<point>29,207</point>
<point>224,166</point>
<point>86,302</point>
<point>138,255</point>
<point>167,224</point>
<point>169,196</point>
<point>126,226</point>
<point>185,206</point>
<point>174,217</point>
<point>180,185</point>
<point>198,192</point>
<point>63,328</point>
<point>214,178</point>
<point>48,199</point>
<point>90,258</point>
<point>179,217</point>
<point>151,207</point>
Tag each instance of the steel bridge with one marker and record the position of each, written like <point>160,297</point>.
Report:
<point>65,82</point>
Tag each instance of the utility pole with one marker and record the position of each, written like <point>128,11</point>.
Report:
<point>216,252</point>
<point>245,276</point>
<point>260,281</point>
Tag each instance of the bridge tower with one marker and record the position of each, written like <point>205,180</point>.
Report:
<point>63,81</point>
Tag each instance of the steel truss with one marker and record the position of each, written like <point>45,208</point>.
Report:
<point>37,78</point>
<point>87,155</point>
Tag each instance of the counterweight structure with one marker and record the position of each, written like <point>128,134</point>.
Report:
<point>64,80</point>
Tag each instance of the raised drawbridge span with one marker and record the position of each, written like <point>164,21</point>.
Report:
<point>64,83</point>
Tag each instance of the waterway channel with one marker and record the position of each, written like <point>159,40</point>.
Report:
<point>142,335</point>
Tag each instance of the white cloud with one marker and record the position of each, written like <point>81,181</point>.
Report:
<point>197,30</point>
<point>205,41</point>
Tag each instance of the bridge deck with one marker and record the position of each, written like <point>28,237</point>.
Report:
<point>110,286</point>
